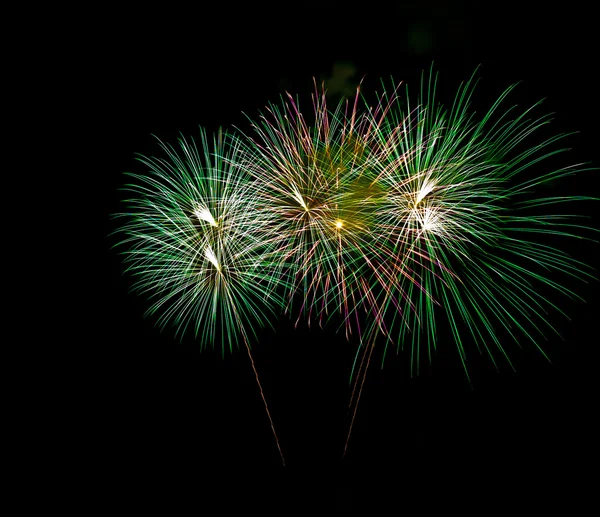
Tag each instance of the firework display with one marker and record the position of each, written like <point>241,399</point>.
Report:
<point>388,218</point>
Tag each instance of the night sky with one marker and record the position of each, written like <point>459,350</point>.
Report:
<point>158,410</point>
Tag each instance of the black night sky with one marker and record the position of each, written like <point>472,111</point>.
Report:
<point>156,411</point>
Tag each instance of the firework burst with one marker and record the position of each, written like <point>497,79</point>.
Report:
<point>478,240</point>
<point>468,215</point>
<point>194,243</point>
<point>317,181</point>
<point>194,239</point>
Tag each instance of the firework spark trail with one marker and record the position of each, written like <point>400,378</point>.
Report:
<point>360,378</point>
<point>262,395</point>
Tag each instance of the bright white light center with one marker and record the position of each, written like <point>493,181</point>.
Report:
<point>426,188</point>
<point>203,214</point>
<point>211,257</point>
<point>298,197</point>
<point>429,220</point>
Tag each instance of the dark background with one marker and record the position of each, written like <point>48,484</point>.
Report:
<point>151,410</point>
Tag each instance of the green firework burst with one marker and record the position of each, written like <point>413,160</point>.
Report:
<point>478,240</point>
<point>193,238</point>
